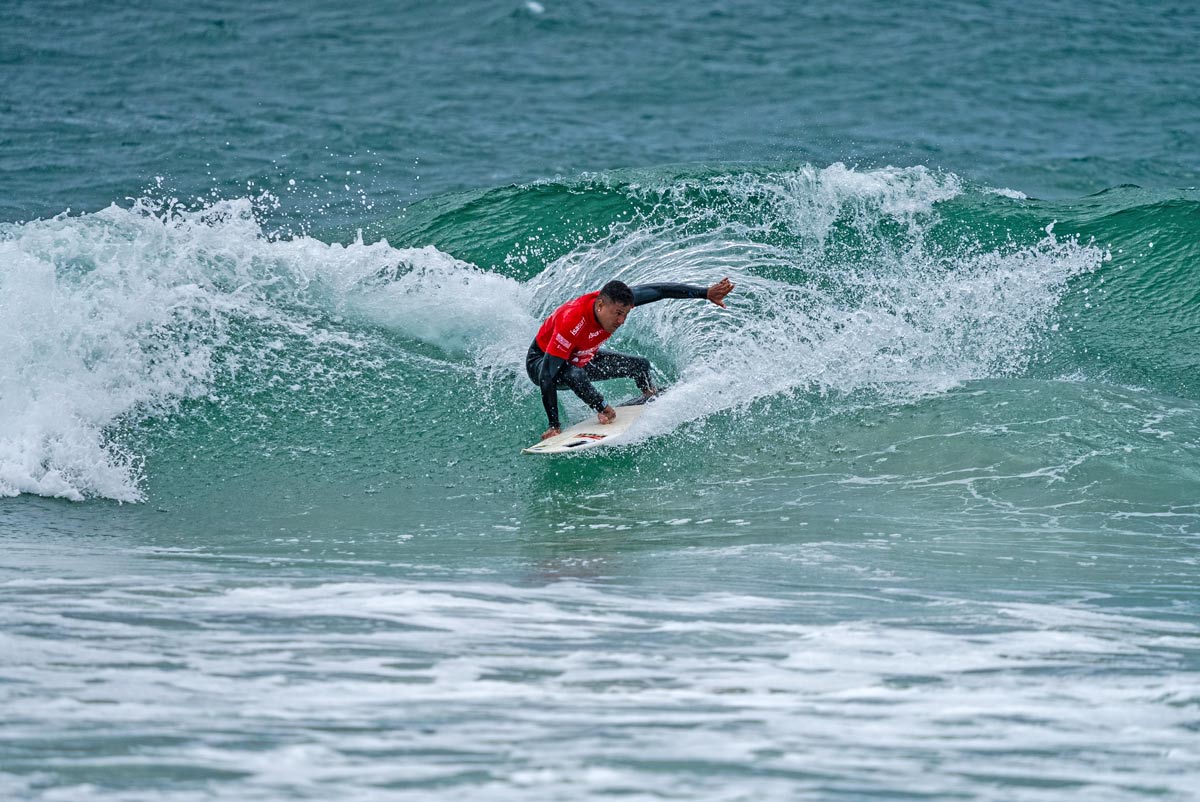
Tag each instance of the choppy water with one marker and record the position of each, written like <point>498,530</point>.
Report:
<point>919,517</point>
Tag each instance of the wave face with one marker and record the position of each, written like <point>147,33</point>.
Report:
<point>128,330</point>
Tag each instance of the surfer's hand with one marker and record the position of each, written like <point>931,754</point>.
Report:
<point>607,415</point>
<point>718,291</point>
<point>553,430</point>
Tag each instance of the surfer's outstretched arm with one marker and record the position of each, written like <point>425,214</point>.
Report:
<point>649,293</point>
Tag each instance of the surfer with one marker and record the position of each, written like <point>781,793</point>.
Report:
<point>566,351</point>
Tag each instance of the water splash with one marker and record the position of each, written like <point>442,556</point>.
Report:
<point>843,285</point>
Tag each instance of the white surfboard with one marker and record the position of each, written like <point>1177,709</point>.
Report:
<point>589,433</point>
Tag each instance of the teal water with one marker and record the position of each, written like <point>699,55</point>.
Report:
<point>918,518</point>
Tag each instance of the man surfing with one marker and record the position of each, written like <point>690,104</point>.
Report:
<point>566,351</point>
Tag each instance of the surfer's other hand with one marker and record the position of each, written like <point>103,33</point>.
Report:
<point>718,291</point>
<point>607,415</point>
<point>553,430</point>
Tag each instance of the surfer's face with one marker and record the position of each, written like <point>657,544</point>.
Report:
<point>610,314</point>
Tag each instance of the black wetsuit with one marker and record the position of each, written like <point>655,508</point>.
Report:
<point>552,372</point>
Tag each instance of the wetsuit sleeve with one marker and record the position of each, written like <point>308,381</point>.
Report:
<point>649,293</point>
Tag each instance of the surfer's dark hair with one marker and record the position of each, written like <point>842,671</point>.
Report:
<point>618,292</point>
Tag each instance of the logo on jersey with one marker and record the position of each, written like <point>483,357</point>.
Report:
<point>581,358</point>
<point>578,326</point>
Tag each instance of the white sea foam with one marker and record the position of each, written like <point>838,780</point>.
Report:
<point>112,316</point>
<point>461,685</point>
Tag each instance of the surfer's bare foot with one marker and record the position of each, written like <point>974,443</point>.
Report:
<point>607,415</point>
<point>551,432</point>
<point>650,393</point>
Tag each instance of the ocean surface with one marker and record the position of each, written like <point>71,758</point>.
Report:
<point>919,517</point>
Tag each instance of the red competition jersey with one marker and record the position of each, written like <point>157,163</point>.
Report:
<point>572,332</point>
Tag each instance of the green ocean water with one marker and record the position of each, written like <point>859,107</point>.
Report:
<point>917,518</point>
